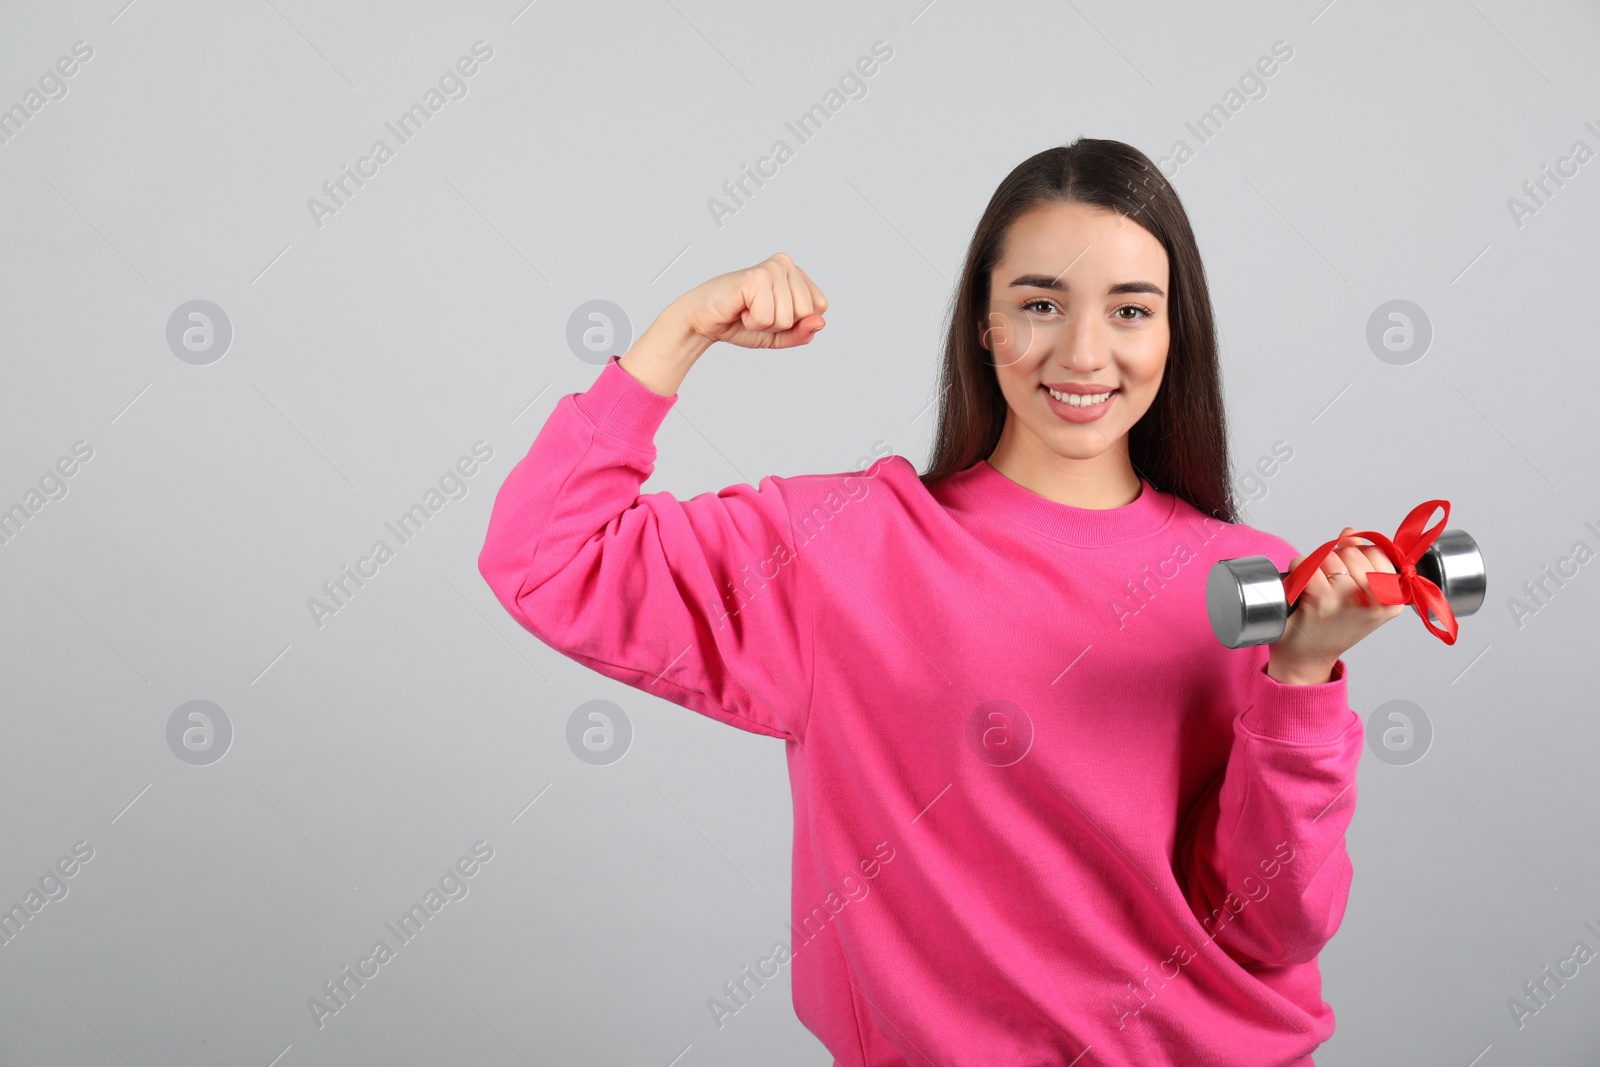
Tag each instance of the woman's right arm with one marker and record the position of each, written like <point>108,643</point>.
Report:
<point>697,601</point>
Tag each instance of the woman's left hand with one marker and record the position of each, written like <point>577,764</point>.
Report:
<point>1335,610</point>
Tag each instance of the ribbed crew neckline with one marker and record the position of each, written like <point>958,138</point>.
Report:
<point>996,495</point>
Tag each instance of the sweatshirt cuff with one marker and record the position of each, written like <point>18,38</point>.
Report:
<point>1308,714</point>
<point>621,405</point>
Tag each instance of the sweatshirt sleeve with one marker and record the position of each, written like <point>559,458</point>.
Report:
<point>697,601</point>
<point>1267,872</point>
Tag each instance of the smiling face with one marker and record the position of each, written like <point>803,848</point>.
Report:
<point>1078,302</point>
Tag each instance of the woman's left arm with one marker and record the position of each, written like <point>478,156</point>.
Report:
<point>1265,865</point>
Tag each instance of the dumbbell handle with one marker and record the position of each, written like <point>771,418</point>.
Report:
<point>1246,603</point>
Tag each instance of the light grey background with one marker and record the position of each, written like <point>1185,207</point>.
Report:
<point>432,311</point>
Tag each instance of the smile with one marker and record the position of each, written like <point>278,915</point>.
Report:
<point>1079,400</point>
<point>1079,407</point>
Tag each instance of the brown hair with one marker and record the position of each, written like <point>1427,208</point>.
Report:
<point>1181,444</point>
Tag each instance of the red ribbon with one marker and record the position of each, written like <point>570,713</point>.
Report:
<point>1405,586</point>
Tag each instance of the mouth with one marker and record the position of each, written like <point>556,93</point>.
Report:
<point>1080,407</point>
<point>1081,400</point>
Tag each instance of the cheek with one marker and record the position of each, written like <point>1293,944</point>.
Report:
<point>1013,385</point>
<point>1148,365</point>
<point>1011,339</point>
<point>1010,358</point>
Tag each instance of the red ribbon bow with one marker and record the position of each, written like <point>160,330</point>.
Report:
<point>1405,586</point>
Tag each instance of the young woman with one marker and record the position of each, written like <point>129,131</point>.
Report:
<point>1041,815</point>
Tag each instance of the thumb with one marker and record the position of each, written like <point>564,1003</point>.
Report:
<point>800,333</point>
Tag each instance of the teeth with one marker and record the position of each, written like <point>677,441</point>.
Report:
<point>1079,400</point>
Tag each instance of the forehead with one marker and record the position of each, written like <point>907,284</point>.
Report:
<point>1097,243</point>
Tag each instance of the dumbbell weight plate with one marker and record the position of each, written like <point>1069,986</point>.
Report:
<point>1244,599</point>
<point>1454,564</point>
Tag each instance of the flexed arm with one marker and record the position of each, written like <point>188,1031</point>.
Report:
<point>646,589</point>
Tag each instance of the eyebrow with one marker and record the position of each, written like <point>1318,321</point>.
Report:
<point>1046,281</point>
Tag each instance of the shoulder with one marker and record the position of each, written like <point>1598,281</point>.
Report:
<point>886,476</point>
<point>1231,540</point>
<point>887,485</point>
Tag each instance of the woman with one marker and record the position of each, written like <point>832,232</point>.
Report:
<point>1042,816</point>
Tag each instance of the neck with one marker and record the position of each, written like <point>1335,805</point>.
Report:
<point>1097,482</point>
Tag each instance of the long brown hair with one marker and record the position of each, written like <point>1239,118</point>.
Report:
<point>1181,444</point>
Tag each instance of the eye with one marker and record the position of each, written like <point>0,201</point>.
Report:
<point>1043,305</point>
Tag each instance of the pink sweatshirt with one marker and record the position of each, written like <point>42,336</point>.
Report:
<point>1041,815</point>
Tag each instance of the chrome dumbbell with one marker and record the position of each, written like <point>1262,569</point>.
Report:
<point>1245,597</point>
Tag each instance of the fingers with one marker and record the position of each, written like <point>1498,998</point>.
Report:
<point>1362,560</point>
<point>1339,604</point>
<point>1357,564</point>
<point>1320,585</point>
<point>807,298</point>
<point>799,296</point>
<point>1374,554</point>
<point>1351,558</point>
<point>759,302</point>
<point>1333,562</point>
<point>770,305</point>
<point>1340,575</point>
<point>780,296</point>
<point>819,303</point>
<point>764,296</point>
<point>805,302</point>
<point>783,297</point>
<point>1380,562</point>
<point>1317,586</point>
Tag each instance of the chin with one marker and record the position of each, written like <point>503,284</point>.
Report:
<point>1081,442</point>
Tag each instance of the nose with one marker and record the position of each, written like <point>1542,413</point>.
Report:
<point>1082,346</point>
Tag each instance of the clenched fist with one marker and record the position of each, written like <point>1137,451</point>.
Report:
<point>770,305</point>
<point>1335,610</point>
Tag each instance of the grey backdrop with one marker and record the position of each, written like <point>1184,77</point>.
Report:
<point>375,341</point>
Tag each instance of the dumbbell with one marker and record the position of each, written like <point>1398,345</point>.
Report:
<point>1245,597</point>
